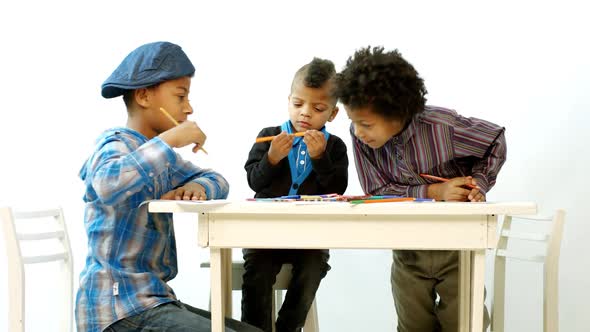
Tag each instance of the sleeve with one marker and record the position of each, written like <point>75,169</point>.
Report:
<point>216,186</point>
<point>116,171</point>
<point>484,141</point>
<point>485,171</point>
<point>375,182</point>
<point>258,169</point>
<point>332,168</point>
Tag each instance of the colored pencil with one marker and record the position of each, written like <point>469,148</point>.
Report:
<point>270,138</point>
<point>384,200</point>
<point>437,178</point>
<point>173,120</point>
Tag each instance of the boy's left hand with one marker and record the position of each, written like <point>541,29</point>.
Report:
<point>316,143</point>
<point>475,195</point>
<point>189,192</point>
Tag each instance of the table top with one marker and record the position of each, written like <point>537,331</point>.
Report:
<point>343,208</point>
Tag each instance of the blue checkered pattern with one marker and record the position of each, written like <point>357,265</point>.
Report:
<point>131,253</point>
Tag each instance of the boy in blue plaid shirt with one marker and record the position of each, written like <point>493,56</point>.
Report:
<point>131,253</point>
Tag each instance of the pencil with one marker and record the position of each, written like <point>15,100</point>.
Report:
<point>384,200</point>
<point>437,178</point>
<point>173,120</point>
<point>270,138</point>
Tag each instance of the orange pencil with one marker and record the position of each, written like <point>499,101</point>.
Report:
<point>270,138</point>
<point>384,200</point>
<point>437,178</point>
<point>176,123</point>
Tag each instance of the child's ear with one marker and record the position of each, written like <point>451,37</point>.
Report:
<point>333,115</point>
<point>142,97</point>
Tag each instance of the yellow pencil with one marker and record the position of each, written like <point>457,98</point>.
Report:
<point>176,123</point>
<point>169,116</point>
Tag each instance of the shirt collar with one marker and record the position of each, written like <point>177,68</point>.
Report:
<point>406,134</point>
<point>122,130</point>
<point>288,127</point>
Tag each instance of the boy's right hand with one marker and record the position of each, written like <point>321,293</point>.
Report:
<point>453,190</point>
<point>187,132</point>
<point>280,147</point>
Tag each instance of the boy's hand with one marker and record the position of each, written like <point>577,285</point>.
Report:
<point>454,190</point>
<point>280,147</point>
<point>189,192</point>
<point>316,143</point>
<point>475,195</point>
<point>188,132</point>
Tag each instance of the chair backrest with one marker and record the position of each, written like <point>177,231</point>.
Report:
<point>12,222</point>
<point>549,258</point>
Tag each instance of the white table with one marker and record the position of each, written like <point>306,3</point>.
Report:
<point>468,227</point>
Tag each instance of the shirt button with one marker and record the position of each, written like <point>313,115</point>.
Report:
<point>150,189</point>
<point>295,186</point>
<point>151,175</point>
<point>302,162</point>
<point>128,193</point>
<point>302,152</point>
<point>411,178</point>
<point>399,157</point>
<point>167,164</point>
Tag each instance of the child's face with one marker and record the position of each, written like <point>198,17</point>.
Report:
<point>372,128</point>
<point>311,108</point>
<point>173,97</point>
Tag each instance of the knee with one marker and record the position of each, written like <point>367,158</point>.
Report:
<point>313,269</point>
<point>259,271</point>
<point>318,258</point>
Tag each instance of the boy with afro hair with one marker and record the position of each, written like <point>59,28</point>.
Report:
<point>396,137</point>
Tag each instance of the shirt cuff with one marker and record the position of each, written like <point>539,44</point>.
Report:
<point>205,183</point>
<point>419,191</point>
<point>482,182</point>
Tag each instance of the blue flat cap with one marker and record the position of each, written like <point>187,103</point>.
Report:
<point>148,65</point>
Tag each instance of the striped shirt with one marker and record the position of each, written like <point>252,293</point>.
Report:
<point>438,142</point>
<point>131,254</point>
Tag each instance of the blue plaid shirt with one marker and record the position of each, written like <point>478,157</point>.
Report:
<point>131,253</point>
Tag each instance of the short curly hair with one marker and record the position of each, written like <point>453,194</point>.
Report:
<point>383,81</point>
<point>315,74</point>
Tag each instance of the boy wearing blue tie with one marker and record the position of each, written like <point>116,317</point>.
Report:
<point>316,163</point>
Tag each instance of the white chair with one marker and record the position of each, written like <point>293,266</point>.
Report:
<point>12,221</point>
<point>549,259</point>
<point>282,283</point>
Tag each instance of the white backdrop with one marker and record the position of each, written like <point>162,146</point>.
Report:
<point>521,64</point>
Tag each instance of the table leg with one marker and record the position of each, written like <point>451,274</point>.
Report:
<point>477,290</point>
<point>217,283</point>
<point>464,291</point>
<point>226,275</point>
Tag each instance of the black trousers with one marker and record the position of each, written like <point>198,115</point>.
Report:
<point>261,268</point>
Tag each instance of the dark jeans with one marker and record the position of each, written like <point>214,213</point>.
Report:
<point>261,268</point>
<point>175,317</point>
